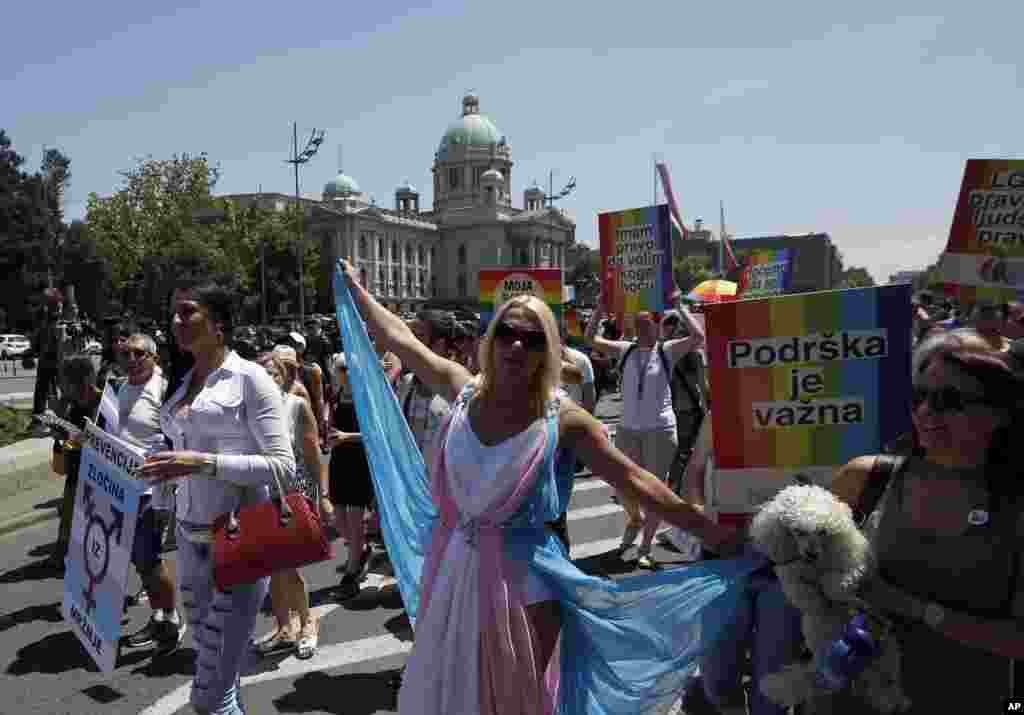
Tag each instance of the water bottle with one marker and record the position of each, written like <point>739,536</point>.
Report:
<point>846,657</point>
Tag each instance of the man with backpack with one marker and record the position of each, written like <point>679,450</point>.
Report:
<point>647,431</point>
<point>689,397</point>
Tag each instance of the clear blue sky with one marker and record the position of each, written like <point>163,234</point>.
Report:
<point>854,120</point>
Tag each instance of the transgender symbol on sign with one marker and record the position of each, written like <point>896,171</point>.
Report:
<point>96,544</point>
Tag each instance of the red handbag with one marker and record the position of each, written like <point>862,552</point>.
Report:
<point>260,539</point>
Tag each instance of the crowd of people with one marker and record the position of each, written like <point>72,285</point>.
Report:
<point>504,418</point>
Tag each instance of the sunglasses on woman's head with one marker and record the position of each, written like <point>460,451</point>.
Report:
<point>944,399</point>
<point>532,340</point>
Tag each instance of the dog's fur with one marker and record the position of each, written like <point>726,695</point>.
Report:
<point>822,561</point>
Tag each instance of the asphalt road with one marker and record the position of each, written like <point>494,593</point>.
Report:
<point>14,378</point>
<point>363,642</point>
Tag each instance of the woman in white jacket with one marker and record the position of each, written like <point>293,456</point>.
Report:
<point>230,437</point>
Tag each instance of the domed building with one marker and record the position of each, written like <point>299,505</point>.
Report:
<point>409,256</point>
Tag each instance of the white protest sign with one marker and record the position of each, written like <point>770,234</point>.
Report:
<point>102,534</point>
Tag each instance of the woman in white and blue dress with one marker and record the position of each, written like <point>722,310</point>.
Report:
<point>504,622</point>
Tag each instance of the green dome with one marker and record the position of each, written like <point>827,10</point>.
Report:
<point>473,129</point>
<point>341,185</point>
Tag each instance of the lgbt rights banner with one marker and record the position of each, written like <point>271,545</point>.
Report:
<point>984,257</point>
<point>102,534</point>
<point>802,384</point>
<point>766,272</point>
<point>497,285</point>
<point>636,260</point>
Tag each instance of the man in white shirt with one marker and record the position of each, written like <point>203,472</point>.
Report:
<point>647,430</point>
<point>139,401</point>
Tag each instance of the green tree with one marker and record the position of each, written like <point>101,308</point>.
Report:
<point>857,277</point>
<point>30,228</point>
<point>152,211</point>
<point>690,271</point>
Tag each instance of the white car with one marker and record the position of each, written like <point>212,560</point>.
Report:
<point>12,345</point>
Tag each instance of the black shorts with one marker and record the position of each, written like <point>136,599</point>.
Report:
<point>350,477</point>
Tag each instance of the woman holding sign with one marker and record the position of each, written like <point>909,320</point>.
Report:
<point>501,614</point>
<point>227,424</point>
<point>946,523</point>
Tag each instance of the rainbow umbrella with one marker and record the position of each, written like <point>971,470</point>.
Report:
<point>712,291</point>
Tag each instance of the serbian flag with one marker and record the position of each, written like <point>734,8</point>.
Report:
<point>678,229</point>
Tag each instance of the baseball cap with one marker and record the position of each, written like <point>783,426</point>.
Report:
<point>299,341</point>
<point>286,353</point>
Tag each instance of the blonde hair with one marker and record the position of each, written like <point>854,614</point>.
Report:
<point>547,379</point>
<point>266,360</point>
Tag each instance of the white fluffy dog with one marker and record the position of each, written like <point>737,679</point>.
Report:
<point>822,560</point>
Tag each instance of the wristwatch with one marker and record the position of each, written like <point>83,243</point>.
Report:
<point>934,615</point>
<point>209,467</point>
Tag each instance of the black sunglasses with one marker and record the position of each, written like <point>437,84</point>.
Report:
<point>944,399</point>
<point>532,340</point>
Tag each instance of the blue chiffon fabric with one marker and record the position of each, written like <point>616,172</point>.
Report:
<point>627,646</point>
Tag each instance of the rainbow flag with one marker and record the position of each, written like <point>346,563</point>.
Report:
<point>766,272</point>
<point>809,380</point>
<point>984,257</point>
<point>636,260</point>
<point>573,328</point>
<point>498,285</point>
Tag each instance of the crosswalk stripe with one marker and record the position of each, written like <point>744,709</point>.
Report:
<point>594,512</point>
<point>589,485</point>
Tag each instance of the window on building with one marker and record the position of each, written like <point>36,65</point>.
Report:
<point>463,291</point>
<point>408,253</point>
<point>433,286</point>
<point>421,253</point>
<point>381,280</point>
<point>477,173</point>
<point>408,283</point>
<point>453,177</point>
<point>462,254</point>
<point>394,251</point>
<point>380,249</point>
<point>433,254</point>
<point>362,247</point>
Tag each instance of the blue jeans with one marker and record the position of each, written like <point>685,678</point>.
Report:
<point>222,624</point>
<point>771,628</point>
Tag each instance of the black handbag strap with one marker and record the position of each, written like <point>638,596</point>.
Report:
<point>881,473</point>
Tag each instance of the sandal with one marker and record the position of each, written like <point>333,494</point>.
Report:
<point>277,643</point>
<point>306,646</point>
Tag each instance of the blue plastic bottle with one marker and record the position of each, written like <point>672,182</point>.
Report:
<point>847,656</point>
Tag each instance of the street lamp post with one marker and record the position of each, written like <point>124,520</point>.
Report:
<point>297,158</point>
<point>551,197</point>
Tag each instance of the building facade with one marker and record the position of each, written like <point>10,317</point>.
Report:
<point>409,257</point>
<point>816,265</point>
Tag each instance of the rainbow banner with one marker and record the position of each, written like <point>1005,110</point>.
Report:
<point>573,328</point>
<point>766,272</point>
<point>984,257</point>
<point>636,260</point>
<point>498,285</point>
<point>809,380</point>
